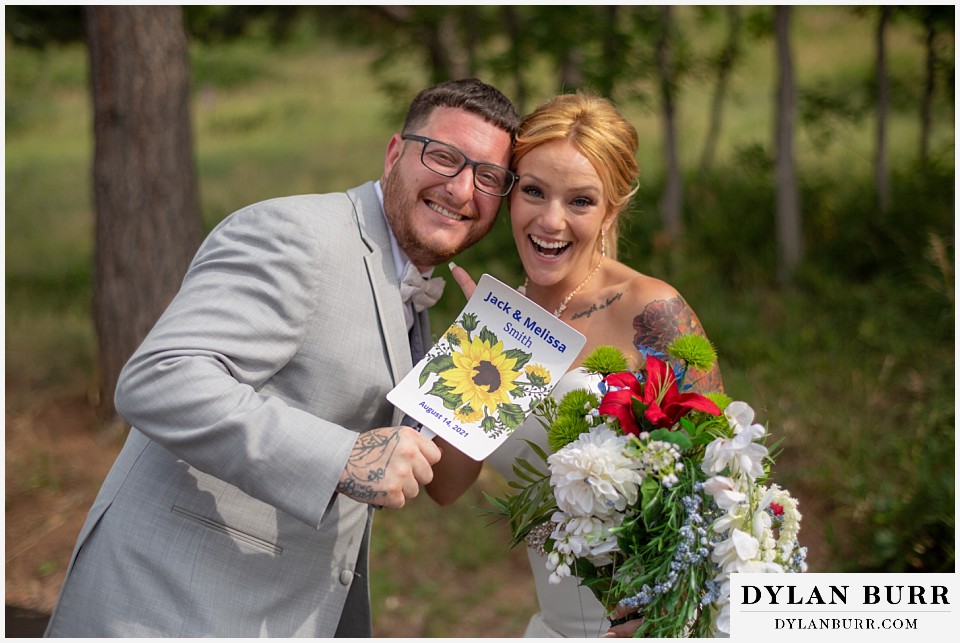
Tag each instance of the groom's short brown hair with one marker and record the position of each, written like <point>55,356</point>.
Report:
<point>470,94</point>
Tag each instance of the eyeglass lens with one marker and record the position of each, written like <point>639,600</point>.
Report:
<point>449,161</point>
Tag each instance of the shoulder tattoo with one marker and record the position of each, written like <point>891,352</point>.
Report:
<point>663,320</point>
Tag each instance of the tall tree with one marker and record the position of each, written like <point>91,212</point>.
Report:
<point>515,55</point>
<point>144,184</point>
<point>929,85</point>
<point>671,202</point>
<point>561,33</point>
<point>435,29</point>
<point>723,65</point>
<point>881,170</point>
<point>936,20</point>
<point>789,225</point>
<point>611,48</point>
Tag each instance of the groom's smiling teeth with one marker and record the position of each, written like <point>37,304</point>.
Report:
<point>445,212</point>
<point>549,248</point>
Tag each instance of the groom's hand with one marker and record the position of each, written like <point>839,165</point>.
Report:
<point>387,466</point>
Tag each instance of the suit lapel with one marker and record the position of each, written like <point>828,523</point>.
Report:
<point>384,282</point>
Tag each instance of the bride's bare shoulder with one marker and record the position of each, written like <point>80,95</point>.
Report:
<point>640,289</point>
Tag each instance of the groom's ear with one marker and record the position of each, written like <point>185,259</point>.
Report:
<point>394,150</point>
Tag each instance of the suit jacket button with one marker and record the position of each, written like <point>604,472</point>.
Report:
<point>346,577</point>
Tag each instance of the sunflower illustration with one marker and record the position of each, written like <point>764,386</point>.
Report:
<point>456,335</point>
<point>537,374</point>
<point>467,414</point>
<point>482,374</point>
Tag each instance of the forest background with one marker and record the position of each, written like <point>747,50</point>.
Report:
<point>848,355</point>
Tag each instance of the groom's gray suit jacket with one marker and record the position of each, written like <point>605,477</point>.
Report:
<point>220,516</point>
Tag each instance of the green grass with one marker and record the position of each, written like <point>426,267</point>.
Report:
<point>446,572</point>
<point>854,368</point>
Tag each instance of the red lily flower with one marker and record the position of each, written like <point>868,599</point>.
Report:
<point>665,403</point>
<point>619,404</point>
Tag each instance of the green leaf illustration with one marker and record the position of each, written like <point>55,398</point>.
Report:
<point>536,380</point>
<point>469,322</point>
<point>450,399</point>
<point>487,336</point>
<point>488,424</point>
<point>522,357</point>
<point>438,364</point>
<point>511,415</point>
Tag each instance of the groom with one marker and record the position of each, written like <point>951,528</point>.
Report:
<point>241,503</point>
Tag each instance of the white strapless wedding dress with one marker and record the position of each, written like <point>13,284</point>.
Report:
<point>566,610</point>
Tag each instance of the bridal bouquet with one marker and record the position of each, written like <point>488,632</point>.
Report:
<point>653,495</point>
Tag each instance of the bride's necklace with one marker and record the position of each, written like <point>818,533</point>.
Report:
<point>566,300</point>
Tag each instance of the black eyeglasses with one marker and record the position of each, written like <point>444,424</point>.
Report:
<point>446,160</point>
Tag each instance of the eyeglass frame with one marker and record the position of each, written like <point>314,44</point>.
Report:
<point>466,161</point>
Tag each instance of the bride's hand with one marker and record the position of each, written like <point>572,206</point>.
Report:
<point>623,629</point>
<point>463,279</point>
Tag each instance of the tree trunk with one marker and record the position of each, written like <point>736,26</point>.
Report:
<point>671,203</point>
<point>435,29</point>
<point>147,215</point>
<point>724,66</point>
<point>470,20</point>
<point>571,69</point>
<point>448,45</point>
<point>514,29</point>
<point>610,19</point>
<point>929,86</point>
<point>881,172</point>
<point>789,226</point>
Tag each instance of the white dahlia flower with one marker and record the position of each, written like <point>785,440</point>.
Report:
<point>594,476</point>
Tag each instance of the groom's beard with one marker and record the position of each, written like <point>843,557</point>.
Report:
<point>423,245</point>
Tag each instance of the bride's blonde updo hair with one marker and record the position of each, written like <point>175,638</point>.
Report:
<point>599,132</point>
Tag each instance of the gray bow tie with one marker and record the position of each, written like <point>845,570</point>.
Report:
<point>423,293</point>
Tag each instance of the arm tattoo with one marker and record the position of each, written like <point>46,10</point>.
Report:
<point>367,465</point>
<point>660,323</point>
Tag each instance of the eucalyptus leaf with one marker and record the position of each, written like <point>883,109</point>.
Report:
<point>525,464</point>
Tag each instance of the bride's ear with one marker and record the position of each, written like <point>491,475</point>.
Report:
<point>610,221</point>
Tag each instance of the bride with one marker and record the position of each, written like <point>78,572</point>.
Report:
<point>575,157</point>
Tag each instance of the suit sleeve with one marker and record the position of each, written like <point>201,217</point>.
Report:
<point>194,385</point>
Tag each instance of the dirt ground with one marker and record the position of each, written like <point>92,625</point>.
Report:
<point>56,459</point>
<point>54,464</point>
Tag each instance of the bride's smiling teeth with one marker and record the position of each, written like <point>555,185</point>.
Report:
<point>549,248</point>
<point>445,212</point>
